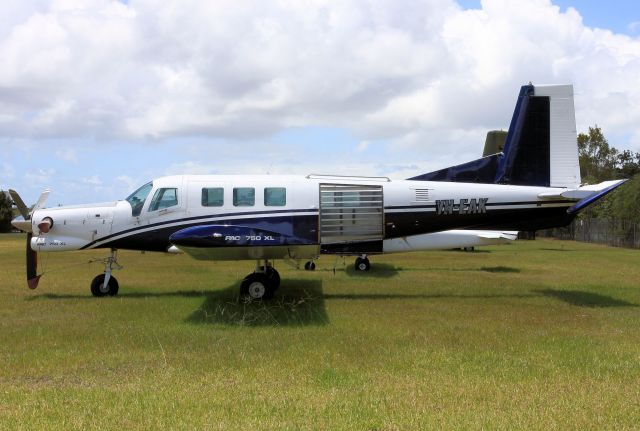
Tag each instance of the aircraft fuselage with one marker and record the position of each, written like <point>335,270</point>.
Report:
<point>273,216</point>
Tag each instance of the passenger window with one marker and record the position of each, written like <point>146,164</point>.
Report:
<point>164,198</point>
<point>213,197</point>
<point>275,196</point>
<point>244,197</point>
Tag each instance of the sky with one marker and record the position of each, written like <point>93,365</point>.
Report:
<point>97,97</point>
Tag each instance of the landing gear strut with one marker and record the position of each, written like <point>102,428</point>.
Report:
<point>105,284</point>
<point>262,283</point>
<point>362,263</point>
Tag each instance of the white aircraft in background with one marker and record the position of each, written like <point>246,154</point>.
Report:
<point>534,184</point>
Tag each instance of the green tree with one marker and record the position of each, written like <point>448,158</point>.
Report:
<point>5,212</point>
<point>601,162</point>
<point>598,160</point>
<point>628,164</point>
<point>625,203</point>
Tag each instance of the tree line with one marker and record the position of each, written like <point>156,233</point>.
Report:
<point>599,162</point>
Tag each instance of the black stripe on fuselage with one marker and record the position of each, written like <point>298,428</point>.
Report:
<point>488,204</point>
<point>155,236</point>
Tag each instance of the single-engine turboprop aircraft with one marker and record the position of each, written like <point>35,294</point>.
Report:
<point>534,184</point>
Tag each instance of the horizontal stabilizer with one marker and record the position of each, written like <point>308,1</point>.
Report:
<point>599,191</point>
<point>582,192</point>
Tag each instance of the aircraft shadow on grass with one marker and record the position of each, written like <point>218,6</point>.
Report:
<point>302,303</point>
<point>296,303</point>
<point>382,270</point>
<point>367,296</point>
<point>378,270</point>
<point>585,299</point>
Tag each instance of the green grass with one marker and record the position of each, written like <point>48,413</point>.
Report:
<point>534,335</point>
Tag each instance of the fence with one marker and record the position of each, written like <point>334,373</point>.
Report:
<point>618,233</point>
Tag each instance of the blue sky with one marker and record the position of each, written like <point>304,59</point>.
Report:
<point>97,100</point>
<point>620,16</point>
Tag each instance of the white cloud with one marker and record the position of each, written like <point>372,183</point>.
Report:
<point>421,71</point>
<point>93,180</point>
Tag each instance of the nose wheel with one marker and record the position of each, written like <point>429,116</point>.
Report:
<point>106,284</point>
<point>99,288</point>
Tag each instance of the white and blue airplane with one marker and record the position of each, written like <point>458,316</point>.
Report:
<point>534,184</point>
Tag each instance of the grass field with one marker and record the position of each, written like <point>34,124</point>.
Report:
<point>534,335</point>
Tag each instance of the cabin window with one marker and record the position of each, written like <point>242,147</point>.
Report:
<point>275,196</point>
<point>244,197</point>
<point>212,197</point>
<point>164,198</point>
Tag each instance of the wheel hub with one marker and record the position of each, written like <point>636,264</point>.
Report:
<point>256,290</point>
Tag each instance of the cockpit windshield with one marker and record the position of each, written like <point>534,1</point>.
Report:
<point>137,198</point>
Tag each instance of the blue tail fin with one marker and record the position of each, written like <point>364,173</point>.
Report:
<point>540,149</point>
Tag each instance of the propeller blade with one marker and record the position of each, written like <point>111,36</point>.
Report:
<point>32,265</point>
<point>23,225</point>
<point>41,200</point>
<point>24,211</point>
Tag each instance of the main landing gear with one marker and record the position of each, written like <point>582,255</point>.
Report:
<point>362,263</point>
<point>262,283</point>
<point>105,284</point>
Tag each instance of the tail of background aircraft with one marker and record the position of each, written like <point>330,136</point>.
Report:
<point>540,149</point>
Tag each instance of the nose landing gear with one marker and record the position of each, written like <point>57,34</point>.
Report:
<point>105,284</point>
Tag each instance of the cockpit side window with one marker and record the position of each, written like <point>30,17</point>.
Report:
<point>164,198</point>
<point>137,198</point>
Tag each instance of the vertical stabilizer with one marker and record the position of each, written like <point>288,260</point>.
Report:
<point>541,147</point>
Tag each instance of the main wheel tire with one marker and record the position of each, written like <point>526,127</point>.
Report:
<point>362,264</point>
<point>310,266</point>
<point>99,289</point>
<point>273,277</point>
<point>258,286</point>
